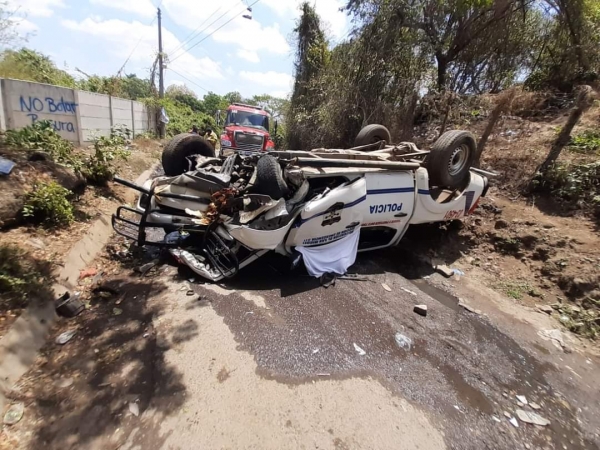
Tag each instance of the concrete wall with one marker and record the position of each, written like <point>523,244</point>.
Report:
<point>77,116</point>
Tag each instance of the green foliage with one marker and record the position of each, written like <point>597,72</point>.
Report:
<point>20,275</point>
<point>100,167</point>
<point>577,185</point>
<point>48,203</point>
<point>130,86</point>
<point>182,117</point>
<point>29,65</point>
<point>586,142</point>
<point>582,321</point>
<point>41,136</point>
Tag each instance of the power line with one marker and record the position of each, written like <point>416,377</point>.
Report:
<point>187,79</point>
<point>209,35</point>
<point>134,49</point>
<point>190,37</point>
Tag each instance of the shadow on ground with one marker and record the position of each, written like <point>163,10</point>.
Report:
<point>80,394</point>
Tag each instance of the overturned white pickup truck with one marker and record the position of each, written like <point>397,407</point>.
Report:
<point>219,214</point>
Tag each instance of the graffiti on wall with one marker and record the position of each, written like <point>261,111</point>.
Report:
<point>32,106</point>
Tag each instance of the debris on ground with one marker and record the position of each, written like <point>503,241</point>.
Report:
<point>547,309</point>
<point>386,287</point>
<point>69,305</point>
<point>117,311</point>
<point>143,270</point>
<point>531,417</point>
<point>421,310</point>
<point>86,273</point>
<point>534,405</point>
<point>513,421</point>
<point>359,350</point>
<point>522,399</point>
<point>408,291</point>
<point>14,413</point>
<point>64,383</point>
<point>134,409</point>
<point>6,166</point>
<point>496,419</point>
<point>444,270</point>
<point>65,337</point>
<point>458,273</point>
<point>404,342</point>
<point>190,292</point>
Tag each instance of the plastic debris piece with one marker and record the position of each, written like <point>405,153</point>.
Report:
<point>458,272</point>
<point>134,409</point>
<point>386,287</point>
<point>403,341</point>
<point>14,413</point>
<point>6,166</point>
<point>421,310</point>
<point>514,422</point>
<point>531,417</point>
<point>360,351</point>
<point>522,399</point>
<point>65,337</point>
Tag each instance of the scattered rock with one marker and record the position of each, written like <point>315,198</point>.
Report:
<point>545,309</point>
<point>143,270</point>
<point>553,335</point>
<point>14,413</point>
<point>359,350</point>
<point>535,405</point>
<point>531,417</point>
<point>445,270</point>
<point>421,310</point>
<point>404,342</point>
<point>507,414</point>
<point>134,409</point>
<point>386,287</point>
<point>65,337</point>
<point>64,383</point>
<point>522,399</point>
<point>514,422</point>
<point>501,224</point>
<point>547,226</point>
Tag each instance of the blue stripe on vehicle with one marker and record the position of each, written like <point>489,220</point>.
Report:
<point>390,191</point>
<point>424,191</point>
<point>347,205</point>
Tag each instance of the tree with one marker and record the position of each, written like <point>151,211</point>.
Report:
<point>446,28</point>
<point>135,88</point>
<point>9,34</point>
<point>29,65</point>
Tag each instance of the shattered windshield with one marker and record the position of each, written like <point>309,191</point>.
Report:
<point>247,119</point>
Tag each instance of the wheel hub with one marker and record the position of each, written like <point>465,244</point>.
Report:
<point>458,160</point>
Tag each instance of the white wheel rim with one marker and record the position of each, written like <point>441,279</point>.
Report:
<point>458,160</point>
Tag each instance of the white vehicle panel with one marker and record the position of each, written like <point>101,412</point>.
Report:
<point>390,199</point>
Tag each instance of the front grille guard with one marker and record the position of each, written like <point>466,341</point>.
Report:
<point>221,257</point>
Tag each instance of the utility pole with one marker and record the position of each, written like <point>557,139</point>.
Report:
<point>161,82</point>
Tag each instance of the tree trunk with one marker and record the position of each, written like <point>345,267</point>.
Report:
<point>449,100</point>
<point>585,100</point>
<point>504,103</point>
<point>442,68</point>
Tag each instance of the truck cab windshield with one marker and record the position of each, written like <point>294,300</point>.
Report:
<point>247,119</point>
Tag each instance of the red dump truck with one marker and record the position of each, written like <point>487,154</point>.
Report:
<point>247,129</point>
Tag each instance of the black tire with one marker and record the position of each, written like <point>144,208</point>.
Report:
<point>269,178</point>
<point>450,159</point>
<point>372,134</point>
<point>179,148</point>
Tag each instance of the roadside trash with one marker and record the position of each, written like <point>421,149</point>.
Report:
<point>117,311</point>
<point>87,273</point>
<point>6,166</point>
<point>386,287</point>
<point>513,421</point>
<point>134,409</point>
<point>421,310</point>
<point>534,405</point>
<point>531,417</point>
<point>143,270</point>
<point>522,399</point>
<point>14,413</point>
<point>360,351</point>
<point>409,291</point>
<point>69,306</point>
<point>65,337</point>
<point>553,335</point>
<point>64,383</point>
<point>403,341</point>
<point>445,270</point>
